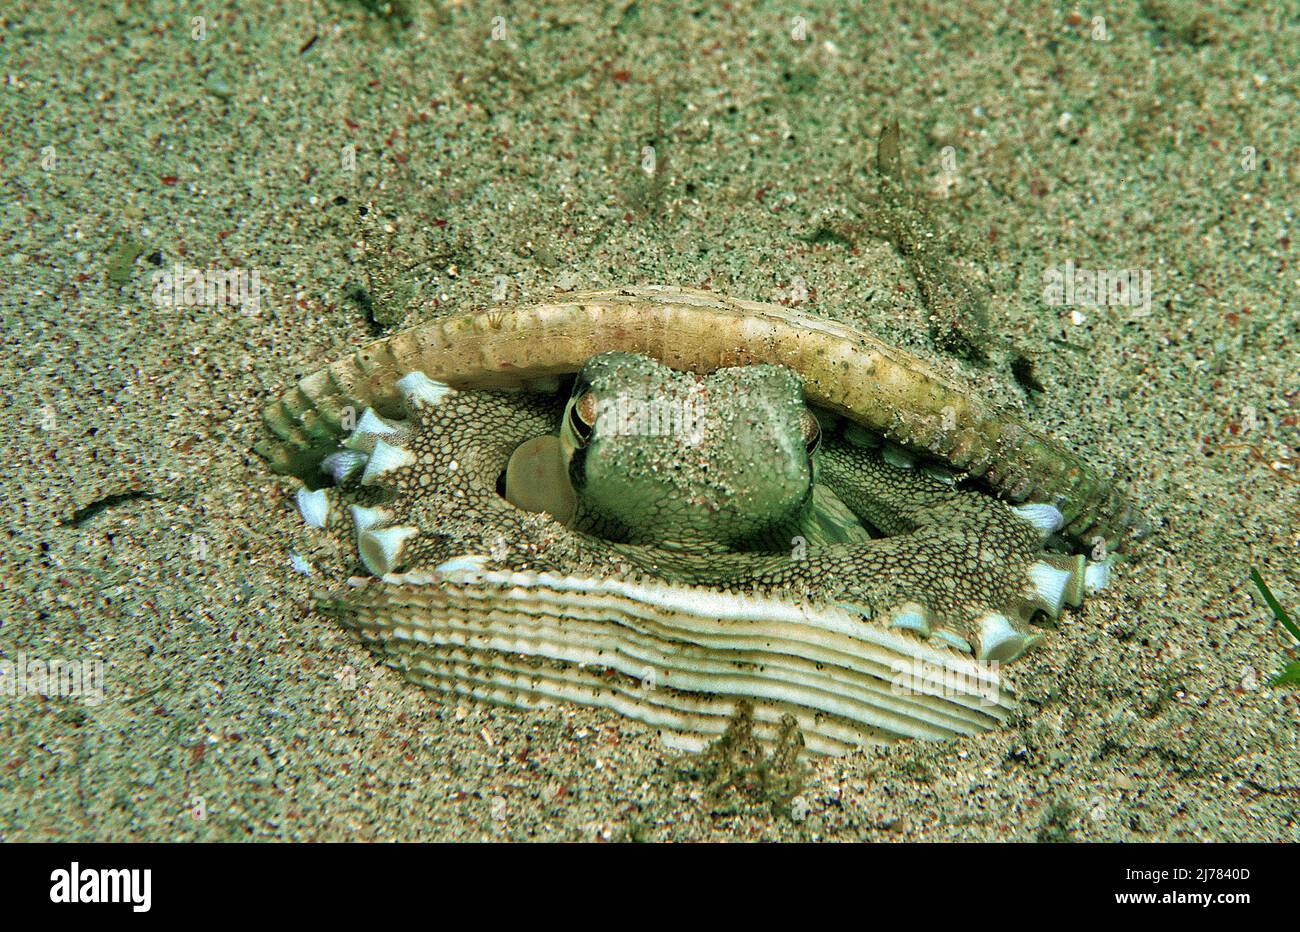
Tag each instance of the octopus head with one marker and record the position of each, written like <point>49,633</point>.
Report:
<point>658,455</point>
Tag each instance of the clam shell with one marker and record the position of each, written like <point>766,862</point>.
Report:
<point>676,658</point>
<point>681,658</point>
<point>849,372</point>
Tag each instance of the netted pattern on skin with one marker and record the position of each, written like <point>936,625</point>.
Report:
<point>958,555</point>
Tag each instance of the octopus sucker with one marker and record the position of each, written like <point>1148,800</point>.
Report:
<point>791,519</point>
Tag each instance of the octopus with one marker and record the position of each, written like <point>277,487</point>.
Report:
<point>667,503</point>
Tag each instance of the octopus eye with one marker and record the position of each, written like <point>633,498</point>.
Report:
<point>812,431</point>
<point>582,417</point>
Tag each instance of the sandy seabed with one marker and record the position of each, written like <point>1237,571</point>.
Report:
<point>433,158</point>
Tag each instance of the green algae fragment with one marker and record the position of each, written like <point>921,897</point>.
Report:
<point>1290,673</point>
<point>120,260</point>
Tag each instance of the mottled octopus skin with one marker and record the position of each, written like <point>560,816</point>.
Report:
<point>849,372</point>
<point>484,600</point>
<point>582,620</point>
